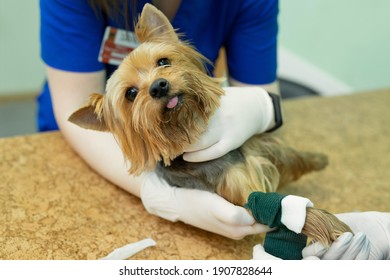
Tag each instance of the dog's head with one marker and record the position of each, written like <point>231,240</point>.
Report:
<point>159,99</point>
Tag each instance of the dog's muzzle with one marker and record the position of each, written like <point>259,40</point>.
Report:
<point>159,88</point>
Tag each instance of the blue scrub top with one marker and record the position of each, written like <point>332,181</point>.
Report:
<point>72,32</point>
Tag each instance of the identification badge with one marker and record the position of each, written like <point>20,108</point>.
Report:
<point>116,45</point>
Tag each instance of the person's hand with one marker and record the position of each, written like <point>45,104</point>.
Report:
<point>346,247</point>
<point>244,112</point>
<point>259,253</point>
<point>371,239</point>
<point>198,208</point>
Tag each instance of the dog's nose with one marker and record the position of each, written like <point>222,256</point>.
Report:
<point>159,88</point>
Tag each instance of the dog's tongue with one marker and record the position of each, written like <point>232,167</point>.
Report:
<point>173,102</point>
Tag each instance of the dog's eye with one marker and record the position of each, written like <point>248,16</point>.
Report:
<point>131,93</point>
<point>163,62</point>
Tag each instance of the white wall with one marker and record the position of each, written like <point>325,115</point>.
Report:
<point>21,69</point>
<point>348,40</point>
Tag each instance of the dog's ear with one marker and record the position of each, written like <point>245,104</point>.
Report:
<point>154,26</point>
<point>91,116</point>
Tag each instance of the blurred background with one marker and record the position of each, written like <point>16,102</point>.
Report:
<point>326,48</point>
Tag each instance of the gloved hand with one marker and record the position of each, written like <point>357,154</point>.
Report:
<point>260,254</point>
<point>198,208</point>
<point>347,246</point>
<point>370,241</point>
<point>244,112</point>
<point>376,228</point>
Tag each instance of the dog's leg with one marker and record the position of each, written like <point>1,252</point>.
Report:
<point>259,174</point>
<point>290,163</point>
<point>254,174</point>
<point>320,225</point>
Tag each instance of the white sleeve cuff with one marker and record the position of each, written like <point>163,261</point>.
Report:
<point>294,212</point>
<point>158,197</point>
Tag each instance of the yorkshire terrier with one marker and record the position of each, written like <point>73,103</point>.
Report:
<point>159,101</point>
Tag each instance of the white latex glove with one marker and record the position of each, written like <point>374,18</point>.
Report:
<point>198,208</point>
<point>371,239</point>
<point>346,247</point>
<point>293,217</point>
<point>260,254</point>
<point>244,112</point>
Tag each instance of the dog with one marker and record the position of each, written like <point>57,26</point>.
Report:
<point>159,101</point>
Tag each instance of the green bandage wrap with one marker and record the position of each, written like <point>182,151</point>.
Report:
<point>266,208</point>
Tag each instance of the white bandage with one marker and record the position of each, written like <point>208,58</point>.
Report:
<point>294,212</point>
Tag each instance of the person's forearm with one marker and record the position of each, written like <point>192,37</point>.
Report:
<point>101,152</point>
<point>272,87</point>
<point>69,92</point>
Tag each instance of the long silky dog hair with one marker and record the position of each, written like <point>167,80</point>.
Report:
<point>160,100</point>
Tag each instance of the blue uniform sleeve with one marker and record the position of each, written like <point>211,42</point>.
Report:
<point>251,47</point>
<point>71,34</point>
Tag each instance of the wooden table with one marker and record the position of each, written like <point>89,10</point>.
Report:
<point>53,206</point>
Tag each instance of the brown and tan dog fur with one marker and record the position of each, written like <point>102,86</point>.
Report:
<point>159,101</point>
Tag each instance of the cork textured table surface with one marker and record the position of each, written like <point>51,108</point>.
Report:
<point>53,206</point>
